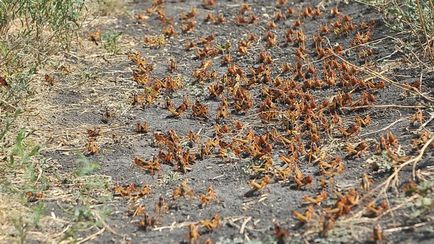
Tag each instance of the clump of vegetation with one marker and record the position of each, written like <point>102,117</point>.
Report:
<point>414,15</point>
<point>27,30</point>
<point>30,32</point>
<point>27,33</point>
<point>111,41</point>
<point>34,17</point>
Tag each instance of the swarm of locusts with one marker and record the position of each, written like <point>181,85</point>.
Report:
<point>280,113</point>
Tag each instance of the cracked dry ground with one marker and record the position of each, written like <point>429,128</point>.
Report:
<point>242,121</point>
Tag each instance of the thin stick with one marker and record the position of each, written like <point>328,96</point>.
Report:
<point>106,225</point>
<point>173,226</point>
<point>185,224</point>
<point>426,123</point>
<point>63,231</point>
<point>422,20</point>
<point>396,207</point>
<point>384,106</point>
<point>408,227</point>
<point>243,226</point>
<point>408,162</point>
<point>91,237</point>
<point>385,128</point>
<point>8,104</point>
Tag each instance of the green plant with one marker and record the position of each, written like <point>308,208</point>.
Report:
<point>35,16</point>
<point>7,121</point>
<point>380,163</point>
<point>22,228</point>
<point>111,41</point>
<point>424,204</point>
<point>30,32</point>
<point>170,177</point>
<point>27,33</point>
<point>103,215</point>
<point>86,167</point>
<point>38,212</point>
<point>414,15</point>
<point>23,151</point>
<point>82,213</point>
<point>19,86</point>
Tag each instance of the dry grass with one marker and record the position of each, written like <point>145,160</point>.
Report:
<point>413,16</point>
